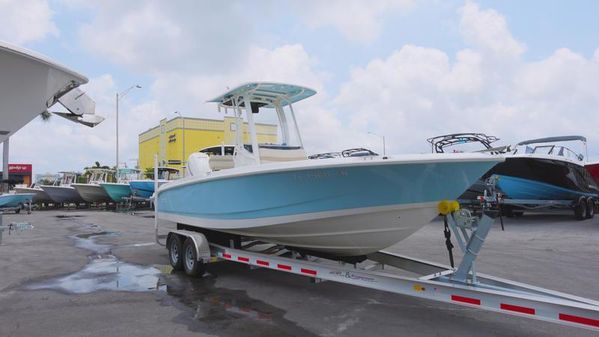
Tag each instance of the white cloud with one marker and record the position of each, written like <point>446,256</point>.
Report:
<point>487,30</point>
<point>25,21</point>
<point>417,92</point>
<point>357,20</point>
<point>156,36</point>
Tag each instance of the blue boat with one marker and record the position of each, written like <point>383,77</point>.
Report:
<point>539,169</point>
<point>349,206</point>
<point>15,200</point>
<point>144,188</point>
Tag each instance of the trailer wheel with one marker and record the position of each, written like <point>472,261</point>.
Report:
<point>590,208</point>
<point>175,252</point>
<point>580,209</point>
<point>192,266</point>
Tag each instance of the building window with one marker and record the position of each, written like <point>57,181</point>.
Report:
<point>233,127</point>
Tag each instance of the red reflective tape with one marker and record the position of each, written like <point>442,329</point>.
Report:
<point>243,259</point>
<point>284,266</point>
<point>262,263</point>
<point>464,299</point>
<point>580,320</point>
<point>308,271</point>
<point>517,308</point>
<point>226,256</point>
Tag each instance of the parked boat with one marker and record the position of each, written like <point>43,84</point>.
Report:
<point>144,188</point>
<point>40,196</point>
<point>15,200</point>
<point>537,169</point>
<point>121,190</point>
<point>92,191</point>
<point>340,206</point>
<point>543,170</point>
<point>63,192</point>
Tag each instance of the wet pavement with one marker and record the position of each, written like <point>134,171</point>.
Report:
<point>94,273</point>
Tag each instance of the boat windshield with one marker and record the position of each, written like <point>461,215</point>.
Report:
<point>276,129</point>
<point>555,150</point>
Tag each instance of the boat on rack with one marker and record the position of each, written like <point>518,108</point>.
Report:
<point>92,191</point>
<point>144,188</point>
<point>120,191</point>
<point>62,191</point>
<point>39,195</point>
<point>339,206</point>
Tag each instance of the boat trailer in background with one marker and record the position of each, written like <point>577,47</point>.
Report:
<point>582,207</point>
<point>189,250</point>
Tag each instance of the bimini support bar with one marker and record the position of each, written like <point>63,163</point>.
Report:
<point>252,128</point>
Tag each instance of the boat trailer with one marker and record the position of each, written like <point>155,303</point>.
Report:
<point>460,285</point>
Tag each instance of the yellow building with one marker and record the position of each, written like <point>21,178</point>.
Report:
<point>166,139</point>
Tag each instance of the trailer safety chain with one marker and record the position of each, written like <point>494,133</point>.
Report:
<point>448,243</point>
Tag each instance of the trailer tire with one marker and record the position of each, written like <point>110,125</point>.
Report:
<point>590,208</point>
<point>192,266</point>
<point>580,209</point>
<point>175,252</point>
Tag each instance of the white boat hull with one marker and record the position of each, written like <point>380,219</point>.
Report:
<point>92,192</point>
<point>40,195</point>
<point>62,194</point>
<point>349,233</point>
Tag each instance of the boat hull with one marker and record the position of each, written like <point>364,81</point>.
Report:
<point>91,192</point>
<point>348,208</point>
<point>116,191</point>
<point>144,188</point>
<point>537,178</point>
<point>39,197</point>
<point>14,200</point>
<point>62,194</point>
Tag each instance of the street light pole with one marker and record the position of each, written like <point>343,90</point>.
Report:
<point>118,97</point>
<point>183,161</point>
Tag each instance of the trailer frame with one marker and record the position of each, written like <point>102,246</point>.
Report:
<point>460,285</point>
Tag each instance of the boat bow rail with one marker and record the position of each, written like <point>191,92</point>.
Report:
<point>436,282</point>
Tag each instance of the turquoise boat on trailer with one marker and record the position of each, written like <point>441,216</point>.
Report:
<point>15,200</point>
<point>338,206</point>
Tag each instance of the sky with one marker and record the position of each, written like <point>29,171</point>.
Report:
<point>404,69</point>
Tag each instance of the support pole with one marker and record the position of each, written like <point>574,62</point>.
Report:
<point>474,245</point>
<point>252,129</point>
<point>5,149</point>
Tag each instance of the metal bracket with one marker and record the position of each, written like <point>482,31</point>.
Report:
<point>461,222</point>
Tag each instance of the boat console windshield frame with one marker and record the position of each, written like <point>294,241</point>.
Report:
<point>548,147</point>
<point>252,97</point>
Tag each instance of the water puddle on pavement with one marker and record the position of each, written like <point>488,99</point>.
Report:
<point>104,271</point>
<point>204,307</point>
<point>226,312</point>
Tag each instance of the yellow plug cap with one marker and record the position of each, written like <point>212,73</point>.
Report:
<point>447,206</point>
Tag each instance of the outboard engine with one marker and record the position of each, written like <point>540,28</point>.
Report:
<point>198,165</point>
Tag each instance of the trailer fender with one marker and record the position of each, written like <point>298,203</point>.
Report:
<point>200,242</point>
